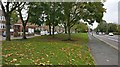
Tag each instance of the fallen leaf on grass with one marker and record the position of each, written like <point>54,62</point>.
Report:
<point>17,64</point>
<point>8,55</point>
<point>14,60</point>
<point>73,59</point>
<point>47,55</point>
<point>42,58</point>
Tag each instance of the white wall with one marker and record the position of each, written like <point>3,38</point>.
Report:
<point>2,25</point>
<point>2,18</point>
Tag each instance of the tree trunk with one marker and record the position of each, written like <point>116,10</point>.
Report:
<point>69,34</point>
<point>65,29</point>
<point>53,31</point>
<point>24,30</point>
<point>8,29</point>
<point>68,26</point>
<point>49,29</point>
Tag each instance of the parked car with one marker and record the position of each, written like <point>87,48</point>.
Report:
<point>55,32</point>
<point>4,34</point>
<point>110,34</point>
<point>100,33</point>
<point>44,33</point>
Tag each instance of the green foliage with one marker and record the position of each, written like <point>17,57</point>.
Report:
<point>81,27</point>
<point>36,11</point>
<point>118,28</point>
<point>112,27</point>
<point>102,27</point>
<point>14,17</point>
<point>107,27</point>
<point>93,12</point>
<point>87,11</point>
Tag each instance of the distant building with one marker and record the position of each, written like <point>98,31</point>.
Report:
<point>18,28</point>
<point>2,22</point>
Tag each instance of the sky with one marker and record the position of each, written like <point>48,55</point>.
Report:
<point>111,15</point>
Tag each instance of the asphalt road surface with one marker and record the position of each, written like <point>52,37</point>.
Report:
<point>110,40</point>
<point>103,53</point>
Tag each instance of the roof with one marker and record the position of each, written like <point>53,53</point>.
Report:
<point>19,22</point>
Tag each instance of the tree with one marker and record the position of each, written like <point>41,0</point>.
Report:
<point>102,27</point>
<point>72,15</point>
<point>7,10</point>
<point>80,27</point>
<point>53,12</point>
<point>23,20</point>
<point>112,27</point>
<point>118,29</point>
<point>36,13</point>
<point>93,12</point>
<point>87,11</point>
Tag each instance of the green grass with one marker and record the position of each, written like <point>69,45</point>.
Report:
<point>45,50</point>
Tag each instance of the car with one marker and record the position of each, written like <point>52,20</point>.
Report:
<point>110,34</point>
<point>4,34</point>
<point>100,33</point>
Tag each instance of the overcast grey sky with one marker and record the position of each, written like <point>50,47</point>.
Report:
<point>111,15</point>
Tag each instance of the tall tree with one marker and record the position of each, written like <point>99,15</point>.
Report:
<point>7,10</point>
<point>53,11</point>
<point>72,12</point>
<point>87,11</point>
<point>25,19</point>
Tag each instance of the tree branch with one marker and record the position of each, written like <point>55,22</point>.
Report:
<point>3,9</point>
<point>15,7</point>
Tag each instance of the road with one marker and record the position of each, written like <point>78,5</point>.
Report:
<point>102,52</point>
<point>113,41</point>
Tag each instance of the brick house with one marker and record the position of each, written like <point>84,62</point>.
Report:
<point>18,29</point>
<point>2,22</point>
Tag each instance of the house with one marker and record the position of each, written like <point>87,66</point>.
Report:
<point>2,22</point>
<point>18,29</point>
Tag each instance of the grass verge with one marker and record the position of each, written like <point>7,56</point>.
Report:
<point>45,50</point>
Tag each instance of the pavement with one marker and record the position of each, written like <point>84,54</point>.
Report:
<point>103,53</point>
<point>3,38</point>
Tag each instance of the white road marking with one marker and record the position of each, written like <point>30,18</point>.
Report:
<point>116,47</point>
<point>113,39</point>
<point>110,38</point>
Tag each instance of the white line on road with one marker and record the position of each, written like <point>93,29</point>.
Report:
<point>109,38</point>
<point>113,39</point>
<point>108,43</point>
